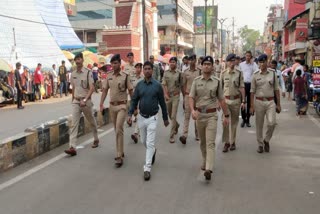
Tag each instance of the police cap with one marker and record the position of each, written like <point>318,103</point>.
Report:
<point>173,58</point>
<point>130,54</point>
<point>193,57</point>
<point>207,59</point>
<point>231,57</point>
<point>262,58</point>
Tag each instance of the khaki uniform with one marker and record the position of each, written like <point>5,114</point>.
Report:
<point>173,81</point>
<point>232,81</point>
<point>218,70</point>
<point>263,85</point>
<point>188,77</point>
<point>130,69</point>
<point>206,93</point>
<point>118,85</point>
<point>81,82</point>
<point>134,81</point>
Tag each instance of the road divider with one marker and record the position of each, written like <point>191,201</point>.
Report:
<point>37,140</point>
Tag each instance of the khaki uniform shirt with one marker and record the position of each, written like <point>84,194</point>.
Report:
<point>135,79</point>
<point>130,69</point>
<point>118,85</point>
<point>188,77</point>
<point>264,84</point>
<point>206,93</point>
<point>173,81</point>
<point>232,81</point>
<point>81,82</point>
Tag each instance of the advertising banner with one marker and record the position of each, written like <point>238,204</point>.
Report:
<point>302,30</point>
<point>199,19</point>
<point>316,71</point>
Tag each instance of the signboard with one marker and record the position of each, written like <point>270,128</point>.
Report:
<point>199,19</point>
<point>302,30</point>
<point>316,70</point>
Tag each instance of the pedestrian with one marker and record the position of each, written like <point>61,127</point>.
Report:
<point>185,64</point>
<point>237,63</point>
<point>296,66</point>
<point>129,67</point>
<point>247,68</point>
<point>18,85</point>
<point>156,69</point>
<point>206,90</point>
<point>55,80</point>
<point>188,77</point>
<point>199,62</point>
<point>172,85</point>
<point>233,89</point>
<point>264,86</point>
<point>289,85</point>
<point>148,95</point>
<point>134,81</point>
<point>300,94</point>
<point>82,89</point>
<point>63,78</point>
<point>308,80</point>
<point>38,81</point>
<point>95,75</point>
<point>280,78</point>
<point>217,68</point>
<point>119,83</point>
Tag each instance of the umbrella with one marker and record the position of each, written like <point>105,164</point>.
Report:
<point>68,54</point>
<point>101,58</point>
<point>85,53</point>
<point>5,66</point>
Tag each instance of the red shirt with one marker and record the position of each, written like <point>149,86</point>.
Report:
<point>37,76</point>
<point>299,86</point>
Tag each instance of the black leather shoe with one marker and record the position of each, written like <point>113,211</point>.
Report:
<point>266,146</point>
<point>146,175</point>
<point>207,175</point>
<point>226,147</point>
<point>154,156</point>
<point>233,147</point>
<point>243,123</point>
<point>248,124</point>
<point>260,149</point>
<point>183,140</point>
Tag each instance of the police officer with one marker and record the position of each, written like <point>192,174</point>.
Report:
<point>264,86</point>
<point>129,67</point>
<point>233,89</point>
<point>82,89</point>
<point>205,91</point>
<point>134,81</point>
<point>188,76</point>
<point>172,85</point>
<point>119,83</point>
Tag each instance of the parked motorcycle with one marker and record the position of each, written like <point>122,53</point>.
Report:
<point>316,98</point>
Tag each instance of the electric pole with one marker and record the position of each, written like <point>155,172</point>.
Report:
<point>233,42</point>
<point>205,27</point>
<point>144,33</point>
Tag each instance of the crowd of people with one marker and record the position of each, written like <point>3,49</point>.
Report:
<point>251,86</point>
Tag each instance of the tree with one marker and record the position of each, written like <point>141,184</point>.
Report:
<point>249,38</point>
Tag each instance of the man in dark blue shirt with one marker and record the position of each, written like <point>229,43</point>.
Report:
<point>18,85</point>
<point>149,95</point>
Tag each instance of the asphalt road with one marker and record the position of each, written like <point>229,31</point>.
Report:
<point>285,181</point>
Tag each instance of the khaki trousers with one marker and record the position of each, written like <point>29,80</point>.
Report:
<point>265,109</point>
<point>118,116</point>
<point>207,129</point>
<point>76,115</point>
<point>187,115</point>
<point>234,111</point>
<point>172,107</point>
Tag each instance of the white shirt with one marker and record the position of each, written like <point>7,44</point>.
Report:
<point>281,81</point>
<point>247,70</point>
<point>55,76</point>
<point>184,68</point>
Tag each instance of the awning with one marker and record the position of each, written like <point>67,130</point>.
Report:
<point>300,50</point>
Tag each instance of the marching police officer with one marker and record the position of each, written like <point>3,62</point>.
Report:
<point>264,86</point>
<point>119,83</point>
<point>233,89</point>
<point>172,85</point>
<point>82,89</point>
<point>205,91</point>
<point>188,76</point>
<point>129,68</point>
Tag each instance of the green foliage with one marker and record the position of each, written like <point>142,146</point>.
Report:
<point>249,38</point>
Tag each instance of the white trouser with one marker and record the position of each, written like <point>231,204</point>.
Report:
<point>147,128</point>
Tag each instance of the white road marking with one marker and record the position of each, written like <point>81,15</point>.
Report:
<point>45,164</point>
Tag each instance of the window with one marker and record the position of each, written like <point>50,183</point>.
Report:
<point>80,35</point>
<point>94,14</point>
<point>91,37</point>
<point>168,9</point>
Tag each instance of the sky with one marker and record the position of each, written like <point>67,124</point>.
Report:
<point>246,12</point>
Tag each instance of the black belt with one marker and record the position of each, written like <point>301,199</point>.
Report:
<point>148,115</point>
